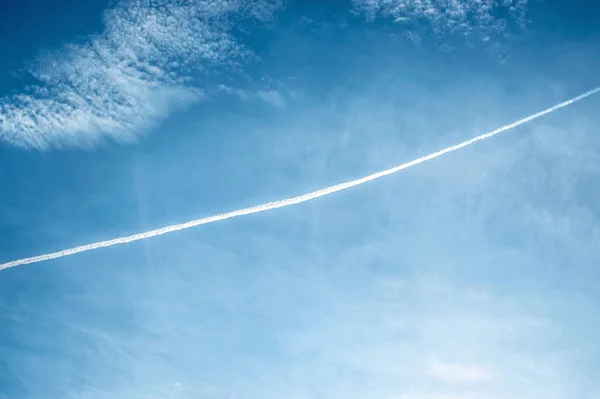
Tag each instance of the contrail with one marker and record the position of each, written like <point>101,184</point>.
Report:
<point>290,201</point>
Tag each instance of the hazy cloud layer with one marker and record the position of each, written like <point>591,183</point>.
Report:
<point>120,82</point>
<point>452,372</point>
<point>462,278</point>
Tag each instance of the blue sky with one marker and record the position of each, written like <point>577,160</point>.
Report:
<point>474,275</point>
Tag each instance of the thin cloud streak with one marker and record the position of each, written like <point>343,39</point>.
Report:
<point>293,200</point>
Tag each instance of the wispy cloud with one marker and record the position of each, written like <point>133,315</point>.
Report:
<point>455,372</point>
<point>482,18</point>
<point>146,63</point>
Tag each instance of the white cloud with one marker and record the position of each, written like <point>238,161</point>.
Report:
<point>272,97</point>
<point>479,17</point>
<point>456,372</point>
<point>118,83</point>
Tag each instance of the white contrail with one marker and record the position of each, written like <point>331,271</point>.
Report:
<point>289,201</point>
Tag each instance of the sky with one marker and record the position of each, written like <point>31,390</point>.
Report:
<point>471,276</point>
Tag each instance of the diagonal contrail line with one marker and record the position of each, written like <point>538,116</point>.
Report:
<point>293,200</point>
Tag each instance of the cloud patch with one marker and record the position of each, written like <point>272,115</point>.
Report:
<point>149,61</point>
<point>480,18</point>
<point>459,373</point>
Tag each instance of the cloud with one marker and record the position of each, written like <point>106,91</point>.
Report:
<point>151,59</point>
<point>272,97</point>
<point>482,18</point>
<point>454,372</point>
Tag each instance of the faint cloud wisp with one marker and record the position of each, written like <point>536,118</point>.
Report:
<point>453,372</point>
